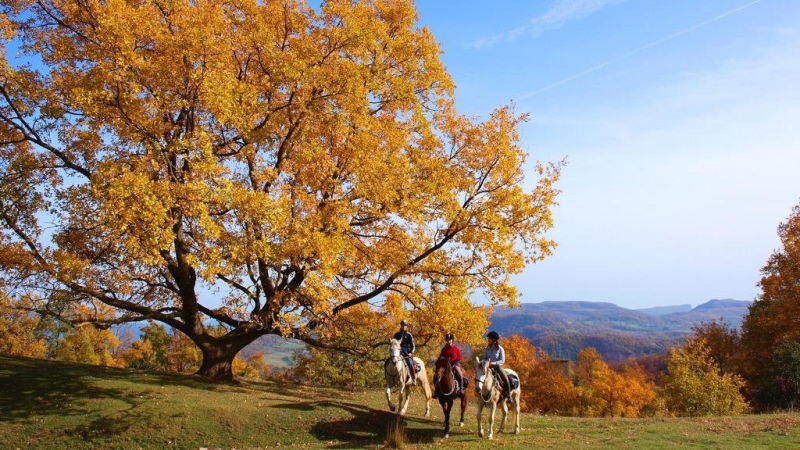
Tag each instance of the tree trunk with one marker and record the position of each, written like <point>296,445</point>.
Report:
<point>218,360</point>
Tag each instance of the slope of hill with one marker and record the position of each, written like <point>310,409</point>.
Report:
<point>564,328</point>
<point>48,404</point>
<point>664,310</point>
<point>277,350</point>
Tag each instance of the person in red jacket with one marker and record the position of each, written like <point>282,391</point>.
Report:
<point>451,351</point>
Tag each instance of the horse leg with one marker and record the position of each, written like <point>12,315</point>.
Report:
<point>480,424</point>
<point>505,415</point>
<point>516,412</point>
<point>426,389</point>
<point>447,405</point>
<point>389,398</point>
<point>463,408</point>
<point>404,398</point>
<point>492,410</point>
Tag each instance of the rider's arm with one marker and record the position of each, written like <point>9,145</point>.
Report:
<point>411,340</point>
<point>501,356</point>
<point>487,354</point>
<point>458,356</point>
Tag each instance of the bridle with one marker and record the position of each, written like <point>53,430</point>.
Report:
<point>479,384</point>
<point>452,377</point>
<point>394,354</point>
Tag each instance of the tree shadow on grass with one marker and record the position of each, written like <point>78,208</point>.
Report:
<point>367,426</point>
<point>35,387</point>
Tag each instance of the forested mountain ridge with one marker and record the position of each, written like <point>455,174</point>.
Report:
<point>564,328</point>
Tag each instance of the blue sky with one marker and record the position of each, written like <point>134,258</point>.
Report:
<point>680,120</point>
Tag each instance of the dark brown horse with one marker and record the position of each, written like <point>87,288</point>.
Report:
<point>447,390</point>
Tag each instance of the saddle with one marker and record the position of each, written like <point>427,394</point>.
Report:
<point>462,375</point>
<point>417,367</point>
<point>512,379</point>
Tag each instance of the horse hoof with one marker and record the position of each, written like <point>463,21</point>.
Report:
<point>491,437</point>
<point>447,436</point>
<point>516,431</point>
<point>461,424</point>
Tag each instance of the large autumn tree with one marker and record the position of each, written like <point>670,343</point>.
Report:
<point>772,320</point>
<point>261,164</point>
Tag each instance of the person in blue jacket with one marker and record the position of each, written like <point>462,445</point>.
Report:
<point>496,355</point>
<point>407,347</point>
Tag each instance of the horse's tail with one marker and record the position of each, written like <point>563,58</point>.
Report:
<point>423,378</point>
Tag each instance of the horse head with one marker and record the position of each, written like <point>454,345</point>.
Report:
<point>394,350</point>
<point>443,376</point>
<point>484,380</point>
<point>443,365</point>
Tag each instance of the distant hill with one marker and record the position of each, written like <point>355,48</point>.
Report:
<point>664,310</point>
<point>277,351</point>
<point>564,328</point>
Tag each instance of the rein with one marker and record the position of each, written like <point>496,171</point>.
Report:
<point>481,382</point>
<point>397,377</point>
<point>452,384</point>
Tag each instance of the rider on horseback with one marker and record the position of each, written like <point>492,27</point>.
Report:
<point>407,348</point>
<point>454,354</point>
<point>496,355</point>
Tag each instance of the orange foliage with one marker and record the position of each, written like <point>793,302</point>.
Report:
<point>521,357</point>
<point>87,343</point>
<point>306,161</point>
<point>772,318</point>
<point>183,356</point>
<point>604,392</point>
<point>549,389</point>
<point>17,331</point>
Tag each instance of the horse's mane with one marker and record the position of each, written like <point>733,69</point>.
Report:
<point>443,362</point>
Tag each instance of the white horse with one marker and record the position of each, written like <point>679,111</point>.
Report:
<point>489,393</point>
<point>398,376</point>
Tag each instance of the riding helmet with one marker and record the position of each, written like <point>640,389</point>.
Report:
<point>403,322</point>
<point>448,336</point>
<point>493,335</point>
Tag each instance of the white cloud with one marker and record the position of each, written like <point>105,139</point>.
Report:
<point>560,13</point>
<point>567,10</point>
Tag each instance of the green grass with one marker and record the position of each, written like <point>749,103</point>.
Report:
<point>46,404</point>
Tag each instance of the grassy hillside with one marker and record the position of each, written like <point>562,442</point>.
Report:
<point>45,404</point>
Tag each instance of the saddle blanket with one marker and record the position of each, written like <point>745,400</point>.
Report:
<point>416,366</point>
<point>513,380</point>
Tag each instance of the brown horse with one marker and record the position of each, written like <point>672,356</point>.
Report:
<point>447,390</point>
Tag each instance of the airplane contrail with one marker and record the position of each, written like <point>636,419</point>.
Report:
<point>636,50</point>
